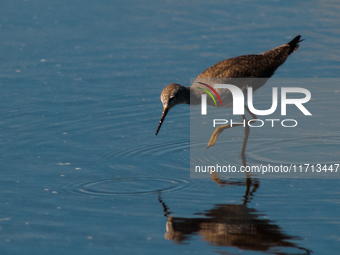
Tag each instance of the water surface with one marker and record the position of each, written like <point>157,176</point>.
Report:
<point>82,170</point>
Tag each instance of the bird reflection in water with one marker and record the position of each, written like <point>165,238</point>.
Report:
<point>233,225</point>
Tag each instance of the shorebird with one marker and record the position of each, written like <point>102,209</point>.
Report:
<point>233,69</point>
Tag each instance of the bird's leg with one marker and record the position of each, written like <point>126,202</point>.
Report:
<point>212,141</point>
<point>219,130</point>
<point>245,139</point>
<point>249,180</point>
<point>253,116</point>
<point>246,132</point>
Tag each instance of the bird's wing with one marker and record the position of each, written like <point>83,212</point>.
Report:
<point>249,66</point>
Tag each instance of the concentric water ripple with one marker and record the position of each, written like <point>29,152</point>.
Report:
<point>127,186</point>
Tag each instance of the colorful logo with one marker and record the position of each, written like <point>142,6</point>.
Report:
<point>213,90</point>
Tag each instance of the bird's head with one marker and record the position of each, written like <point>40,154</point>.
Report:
<point>172,95</point>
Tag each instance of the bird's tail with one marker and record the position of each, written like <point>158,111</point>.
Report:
<point>294,44</point>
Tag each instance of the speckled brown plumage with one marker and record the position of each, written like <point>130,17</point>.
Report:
<point>252,66</point>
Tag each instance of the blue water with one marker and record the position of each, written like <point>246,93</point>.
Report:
<point>82,171</point>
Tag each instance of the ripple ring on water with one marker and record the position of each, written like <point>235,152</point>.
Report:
<point>126,186</point>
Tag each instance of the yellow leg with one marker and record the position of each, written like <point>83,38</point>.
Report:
<point>218,131</point>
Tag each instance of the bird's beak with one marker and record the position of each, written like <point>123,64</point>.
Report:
<point>165,111</point>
